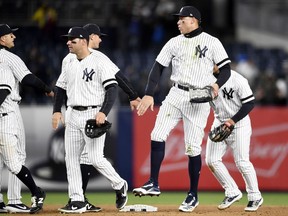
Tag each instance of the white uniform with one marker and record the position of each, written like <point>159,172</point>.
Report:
<point>13,122</point>
<point>192,61</point>
<point>84,82</point>
<point>235,92</point>
<point>114,69</point>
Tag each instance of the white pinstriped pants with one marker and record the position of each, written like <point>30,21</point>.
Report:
<point>176,107</point>
<point>239,142</point>
<point>75,140</point>
<point>13,153</point>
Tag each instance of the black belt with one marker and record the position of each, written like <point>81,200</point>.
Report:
<point>83,108</point>
<point>185,88</point>
<point>3,114</point>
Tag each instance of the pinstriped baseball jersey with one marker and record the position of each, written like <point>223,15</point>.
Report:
<point>193,59</point>
<point>232,95</point>
<point>84,79</point>
<point>70,56</point>
<point>18,67</point>
<point>235,92</point>
<point>9,82</point>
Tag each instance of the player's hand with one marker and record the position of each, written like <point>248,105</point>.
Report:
<point>50,94</point>
<point>146,102</point>
<point>100,118</point>
<point>216,89</point>
<point>56,117</point>
<point>134,103</point>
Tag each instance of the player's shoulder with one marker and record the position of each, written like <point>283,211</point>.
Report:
<point>69,57</point>
<point>10,56</point>
<point>101,57</point>
<point>237,75</point>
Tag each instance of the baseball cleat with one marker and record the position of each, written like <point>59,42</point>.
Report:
<point>37,201</point>
<point>90,207</point>
<point>189,204</point>
<point>121,196</point>
<point>17,208</point>
<point>3,208</point>
<point>228,201</point>
<point>149,188</point>
<point>254,205</point>
<point>73,207</point>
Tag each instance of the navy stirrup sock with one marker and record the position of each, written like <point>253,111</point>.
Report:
<point>157,156</point>
<point>194,168</point>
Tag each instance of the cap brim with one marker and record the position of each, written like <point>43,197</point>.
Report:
<point>15,29</point>
<point>71,36</point>
<point>102,34</point>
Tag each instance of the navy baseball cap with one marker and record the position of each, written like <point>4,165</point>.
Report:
<point>5,29</point>
<point>189,11</point>
<point>93,29</point>
<point>77,32</point>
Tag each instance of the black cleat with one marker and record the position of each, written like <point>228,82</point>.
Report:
<point>121,196</point>
<point>37,201</point>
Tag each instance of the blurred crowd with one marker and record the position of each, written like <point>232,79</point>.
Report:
<point>136,33</point>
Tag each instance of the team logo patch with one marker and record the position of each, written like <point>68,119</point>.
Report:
<point>87,76</point>
<point>201,52</point>
<point>228,94</point>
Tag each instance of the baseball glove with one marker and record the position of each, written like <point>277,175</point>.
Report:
<point>220,133</point>
<point>93,130</point>
<point>201,95</point>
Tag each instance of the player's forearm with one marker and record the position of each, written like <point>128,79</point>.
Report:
<point>34,81</point>
<point>126,86</point>
<point>110,97</point>
<point>243,111</point>
<point>224,74</point>
<point>3,94</point>
<point>59,99</point>
<point>153,79</point>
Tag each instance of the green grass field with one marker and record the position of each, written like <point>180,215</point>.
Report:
<point>107,198</point>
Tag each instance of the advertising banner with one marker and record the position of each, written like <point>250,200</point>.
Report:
<point>268,153</point>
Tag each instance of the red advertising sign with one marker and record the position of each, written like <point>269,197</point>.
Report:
<point>268,153</point>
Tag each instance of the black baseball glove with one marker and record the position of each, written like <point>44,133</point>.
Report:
<point>201,95</point>
<point>93,130</point>
<point>220,133</point>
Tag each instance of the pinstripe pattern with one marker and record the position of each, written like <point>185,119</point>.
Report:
<point>192,61</point>
<point>75,141</point>
<point>81,89</point>
<point>225,106</point>
<point>12,142</point>
<point>99,55</point>
<point>18,67</point>
<point>176,107</point>
<point>189,67</point>
<point>85,90</point>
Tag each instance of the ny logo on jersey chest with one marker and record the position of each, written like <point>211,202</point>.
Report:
<point>201,52</point>
<point>87,76</point>
<point>228,94</point>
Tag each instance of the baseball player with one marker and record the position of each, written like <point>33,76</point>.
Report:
<point>12,142</point>
<point>91,88</point>
<point>232,106</point>
<point>192,54</point>
<point>94,41</point>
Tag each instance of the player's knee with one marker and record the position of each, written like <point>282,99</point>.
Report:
<point>158,137</point>
<point>14,167</point>
<point>99,163</point>
<point>243,166</point>
<point>213,164</point>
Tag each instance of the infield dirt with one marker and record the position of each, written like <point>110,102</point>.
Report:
<point>167,210</point>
